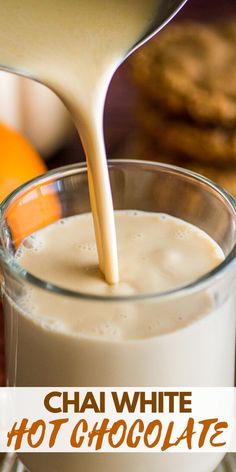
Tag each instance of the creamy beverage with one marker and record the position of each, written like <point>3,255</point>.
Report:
<point>157,253</point>
<point>74,47</point>
<point>64,341</point>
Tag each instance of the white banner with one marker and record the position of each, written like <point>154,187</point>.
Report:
<point>114,419</point>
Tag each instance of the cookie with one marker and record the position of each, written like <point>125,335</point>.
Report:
<point>225,177</point>
<point>189,69</point>
<point>212,144</point>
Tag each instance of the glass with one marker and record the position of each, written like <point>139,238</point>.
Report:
<point>200,354</point>
<point>12,465</point>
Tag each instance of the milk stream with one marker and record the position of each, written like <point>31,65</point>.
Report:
<point>74,47</point>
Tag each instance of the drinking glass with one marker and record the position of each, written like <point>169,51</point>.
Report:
<point>199,354</point>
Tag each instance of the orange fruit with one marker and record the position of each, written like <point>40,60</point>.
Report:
<point>20,163</point>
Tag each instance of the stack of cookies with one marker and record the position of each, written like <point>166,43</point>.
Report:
<point>186,107</point>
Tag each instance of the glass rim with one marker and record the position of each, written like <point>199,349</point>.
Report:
<point>78,168</point>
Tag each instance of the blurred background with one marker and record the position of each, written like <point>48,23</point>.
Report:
<point>39,115</point>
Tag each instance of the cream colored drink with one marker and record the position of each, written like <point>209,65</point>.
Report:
<point>66,341</point>
<point>74,47</point>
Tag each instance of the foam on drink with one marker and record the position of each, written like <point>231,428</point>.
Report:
<point>56,340</point>
<point>157,253</point>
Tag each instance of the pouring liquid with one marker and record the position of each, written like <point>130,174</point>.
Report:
<point>74,47</point>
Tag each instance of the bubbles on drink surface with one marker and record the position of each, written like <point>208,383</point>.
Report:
<point>139,236</point>
<point>53,325</point>
<point>62,221</point>
<point>32,244</point>
<point>180,234</point>
<point>26,303</point>
<point>84,247</point>
<point>154,250</point>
